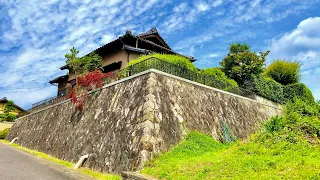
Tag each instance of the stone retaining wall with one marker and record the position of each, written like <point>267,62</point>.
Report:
<point>127,122</point>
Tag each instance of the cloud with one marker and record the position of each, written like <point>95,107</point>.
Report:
<point>35,35</point>
<point>107,38</point>
<point>214,55</point>
<point>302,44</point>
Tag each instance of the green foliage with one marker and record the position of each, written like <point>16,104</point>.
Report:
<point>275,124</point>
<point>265,87</point>
<point>173,59</point>
<point>11,117</point>
<point>236,48</point>
<point>241,65</point>
<point>299,90</point>
<point>216,74</point>
<point>288,148</point>
<point>9,107</point>
<point>300,122</point>
<point>2,117</point>
<point>85,64</point>
<point>4,133</point>
<point>301,107</point>
<point>284,72</point>
<point>254,159</point>
<point>8,117</point>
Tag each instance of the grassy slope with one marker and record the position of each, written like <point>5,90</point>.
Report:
<point>201,157</point>
<point>88,172</point>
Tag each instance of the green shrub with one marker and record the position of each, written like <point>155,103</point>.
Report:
<point>217,78</point>
<point>11,117</point>
<point>2,117</point>
<point>298,90</point>
<point>180,61</point>
<point>172,64</point>
<point>301,107</point>
<point>284,72</point>
<point>8,117</point>
<point>275,124</point>
<point>265,87</point>
<point>4,133</point>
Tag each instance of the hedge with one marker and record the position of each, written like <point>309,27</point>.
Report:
<point>180,61</point>
<point>265,87</point>
<point>217,78</point>
<point>299,90</point>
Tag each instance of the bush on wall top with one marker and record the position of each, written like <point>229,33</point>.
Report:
<point>181,61</point>
<point>223,82</point>
<point>284,72</point>
<point>265,87</point>
<point>299,90</point>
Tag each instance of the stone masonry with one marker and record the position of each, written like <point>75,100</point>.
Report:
<point>126,123</point>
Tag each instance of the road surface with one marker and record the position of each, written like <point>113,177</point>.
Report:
<point>17,165</point>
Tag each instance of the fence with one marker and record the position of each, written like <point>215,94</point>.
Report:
<point>161,65</point>
<point>164,66</point>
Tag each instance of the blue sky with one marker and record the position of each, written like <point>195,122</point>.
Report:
<point>35,35</point>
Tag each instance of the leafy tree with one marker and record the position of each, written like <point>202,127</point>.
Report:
<point>236,48</point>
<point>85,64</point>
<point>9,107</point>
<point>241,63</point>
<point>284,72</point>
<point>88,75</point>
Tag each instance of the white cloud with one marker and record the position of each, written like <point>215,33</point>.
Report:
<point>214,55</point>
<point>202,6</point>
<point>37,33</point>
<point>303,45</point>
<point>217,3</point>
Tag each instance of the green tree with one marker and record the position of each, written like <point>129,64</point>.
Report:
<point>236,48</point>
<point>9,107</point>
<point>84,64</point>
<point>284,72</point>
<point>241,63</point>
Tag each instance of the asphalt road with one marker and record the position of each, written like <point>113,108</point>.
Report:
<point>18,165</point>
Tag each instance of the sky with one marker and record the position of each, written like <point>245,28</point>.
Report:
<point>35,35</point>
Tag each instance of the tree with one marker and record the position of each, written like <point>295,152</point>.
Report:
<point>236,48</point>
<point>284,72</point>
<point>241,63</point>
<point>9,108</point>
<point>88,75</point>
<point>85,64</point>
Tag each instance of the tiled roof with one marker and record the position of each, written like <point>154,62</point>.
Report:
<point>59,78</point>
<point>4,99</point>
<point>130,48</point>
<point>140,37</point>
<point>155,32</point>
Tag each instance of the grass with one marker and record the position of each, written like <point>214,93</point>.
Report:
<point>201,157</point>
<point>94,174</point>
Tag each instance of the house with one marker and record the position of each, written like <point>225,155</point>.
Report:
<point>18,111</point>
<point>116,54</point>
